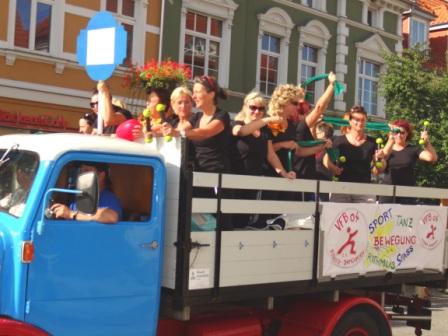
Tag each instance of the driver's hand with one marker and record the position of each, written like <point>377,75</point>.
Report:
<point>61,211</point>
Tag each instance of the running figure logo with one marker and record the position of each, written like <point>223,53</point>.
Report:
<point>350,242</point>
<point>428,228</point>
<point>346,240</point>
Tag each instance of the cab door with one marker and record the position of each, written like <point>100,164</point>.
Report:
<point>89,278</point>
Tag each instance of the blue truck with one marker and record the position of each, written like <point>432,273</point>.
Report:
<point>168,267</point>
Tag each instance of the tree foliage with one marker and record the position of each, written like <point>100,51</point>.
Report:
<point>415,92</point>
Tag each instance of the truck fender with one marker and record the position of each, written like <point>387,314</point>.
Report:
<point>318,317</point>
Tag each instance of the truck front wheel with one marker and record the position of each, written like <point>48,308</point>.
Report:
<point>356,323</point>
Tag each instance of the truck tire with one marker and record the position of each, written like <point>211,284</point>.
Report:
<point>356,323</point>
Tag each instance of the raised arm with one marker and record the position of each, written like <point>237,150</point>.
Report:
<point>110,117</point>
<point>321,106</point>
<point>429,154</point>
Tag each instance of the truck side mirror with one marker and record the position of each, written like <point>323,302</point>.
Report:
<point>87,200</point>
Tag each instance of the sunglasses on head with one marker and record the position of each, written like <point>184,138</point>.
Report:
<point>93,104</point>
<point>209,81</point>
<point>254,108</point>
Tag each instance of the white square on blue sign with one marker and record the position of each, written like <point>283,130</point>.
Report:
<point>100,46</point>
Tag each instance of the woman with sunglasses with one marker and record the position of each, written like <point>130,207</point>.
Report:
<point>113,116</point>
<point>307,119</point>
<point>282,145</point>
<point>401,158</point>
<point>251,136</point>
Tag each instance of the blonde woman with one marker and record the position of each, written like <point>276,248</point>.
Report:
<point>251,135</point>
<point>282,145</point>
<point>181,104</point>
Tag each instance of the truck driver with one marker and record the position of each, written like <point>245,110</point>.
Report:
<point>109,208</point>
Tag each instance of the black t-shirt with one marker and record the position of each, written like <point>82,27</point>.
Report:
<point>400,166</point>
<point>249,158</point>
<point>358,159</point>
<point>305,167</point>
<point>212,154</point>
<point>283,153</point>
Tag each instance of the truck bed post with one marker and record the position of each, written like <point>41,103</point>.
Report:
<point>184,228</point>
<point>219,226</point>
<point>316,236</point>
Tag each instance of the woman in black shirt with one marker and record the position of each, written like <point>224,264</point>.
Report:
<point>251,136</point>
<point>359,150</point>
<point>401,157</point>
<point>209,129</point>
<point>282,145</point>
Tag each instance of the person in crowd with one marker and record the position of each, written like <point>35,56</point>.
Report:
<point>109,208</point>
<point>251,135</point>
<point>324,131</point>
<point>86,123</point>
<point>14,202</point>
<point>155,98</point>
<point>282,145</point>
<point>359,151</point>
<point>209,132</point>
<point>209,129</point>
<point>305,167</point>
<point>113,116</point>
<point>401,158</point>
<point>181,104</point>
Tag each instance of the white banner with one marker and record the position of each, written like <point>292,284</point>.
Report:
<point>363,238</point>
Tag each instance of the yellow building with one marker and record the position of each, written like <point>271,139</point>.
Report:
<point>42,87</point>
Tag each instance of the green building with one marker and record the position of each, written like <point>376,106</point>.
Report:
<point>258,44</point>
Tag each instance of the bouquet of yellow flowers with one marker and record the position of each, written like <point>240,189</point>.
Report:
<point>160,75</point>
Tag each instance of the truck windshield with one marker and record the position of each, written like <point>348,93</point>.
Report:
<point>17,171</point>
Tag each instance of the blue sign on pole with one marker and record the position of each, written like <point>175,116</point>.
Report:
<point>102,46</point>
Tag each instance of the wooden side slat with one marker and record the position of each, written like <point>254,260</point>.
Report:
<point>266,207</point>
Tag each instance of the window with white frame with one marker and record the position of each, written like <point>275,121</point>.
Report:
<point>370,63</point>
<point>418,32</point>
<point>33,24</point>
<point>273,47</point>
<point>368,77</point>
<point>125,10</point>
<point>309,69</point>
<point>202,44</point>
<point>269,63</point>
<point>205,38</point>
<point>313,44</point>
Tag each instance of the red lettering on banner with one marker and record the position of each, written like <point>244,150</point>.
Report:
<point>37,120</point>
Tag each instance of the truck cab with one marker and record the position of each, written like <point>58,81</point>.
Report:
<point>58,274</point>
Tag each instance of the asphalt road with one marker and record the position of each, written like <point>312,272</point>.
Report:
<point>439,326</point>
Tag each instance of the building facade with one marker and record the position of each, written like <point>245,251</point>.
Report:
<point>258,44</point>
<point>247,44</point>
<point>427,24</point>
<point>42,87</point>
